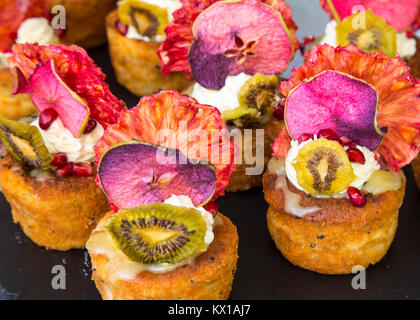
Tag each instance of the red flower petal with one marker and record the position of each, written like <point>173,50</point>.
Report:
<point>281,144</point>
<point>179,122</point>
<point>79,72</point>
<point>398,91</point>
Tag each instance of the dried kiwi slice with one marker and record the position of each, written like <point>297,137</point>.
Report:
<point>158,233</point>
<point>148,19</point>
<point>322,167</point>
<point>257,100</point>
<point>25,143</point>
<point>375,35</point>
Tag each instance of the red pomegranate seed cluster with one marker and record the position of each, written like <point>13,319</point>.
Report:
<point>67,169</point>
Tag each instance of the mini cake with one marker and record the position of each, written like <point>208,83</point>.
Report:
<point>335,186</point>
<point>165,238</point>
<point>46,162</point>
<point>135,32</point>
<point>85,21</point>
<point>237,72</point>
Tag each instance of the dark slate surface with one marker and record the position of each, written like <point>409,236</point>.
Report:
<point>25,269</point>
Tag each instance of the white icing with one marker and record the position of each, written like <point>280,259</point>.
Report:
<point>406,47</point>
<point>36,30</point>
<point>223,99</point>
<point>58,138</point>
<point>120,267</point>
<point>361,171</point>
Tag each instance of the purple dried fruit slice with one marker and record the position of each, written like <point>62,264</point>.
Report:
<point>337,101</point>
<point>251,38</point>
<point>134,173</point>
<point>48,90</point>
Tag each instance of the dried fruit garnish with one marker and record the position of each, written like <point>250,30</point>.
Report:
<point>133,173</point>
<point>332,103</point>
<point>173,52</point>
<point>399,14</point>
<point>53,97</point>
<point>398,93</point>
<point>78,72</point>
<point>172,120</point>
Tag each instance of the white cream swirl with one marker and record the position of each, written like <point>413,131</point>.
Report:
<point>406,47</point>
<point>361,171</point>
<point>36,30</point>
<point>169,5</point>
<point>225,98</point>
<point>58,138</point>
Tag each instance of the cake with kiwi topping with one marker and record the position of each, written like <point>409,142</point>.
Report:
<point>235,71</point>
<point>335,184</point>
<point>135,31</point>
<point>47,171</point>
<point>165,239</point>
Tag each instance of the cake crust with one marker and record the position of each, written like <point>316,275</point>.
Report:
<point>56,213</point>
<point>339,236</point>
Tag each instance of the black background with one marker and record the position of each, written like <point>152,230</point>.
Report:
<point>25,269</point>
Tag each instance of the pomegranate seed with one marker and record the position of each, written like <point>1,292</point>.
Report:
<point>122,28</point>
<point>46,118</point>
<point>65,171</point>
<point>90,126</point>
<point>61,33</point>
<point>328,134</point>
<point>279,112</point>
<point>344,141</point>
<point>305,137</point>
<point>355,155</point>
<point>212,208</point>
<point>82,170</point>
<point>356,197</point>
<point>59,160</point>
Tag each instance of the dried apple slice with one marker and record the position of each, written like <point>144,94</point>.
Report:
<point>48,90</point>
<point>134,173</point>
<point>253,38</point>
<point>337,101</point>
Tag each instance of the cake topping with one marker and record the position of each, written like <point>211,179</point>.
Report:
<point>397,97</point>
<point>158,233</point>
<point>399,14</point>
<point>160,122</point>
<point>337,101</point>
<point>248,46</point>
<point>24,143</point>
<point>375,34</point>
<point>151,174</point>
<point>255,39</point>
<point>50,94</point>
<point>75,75</point>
